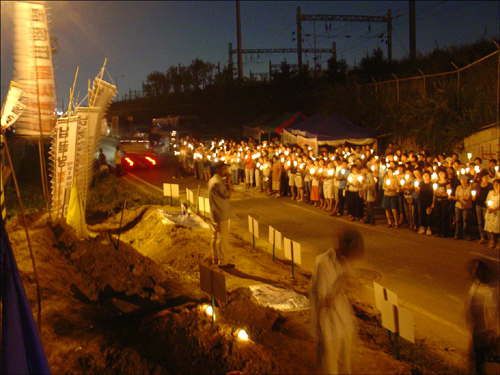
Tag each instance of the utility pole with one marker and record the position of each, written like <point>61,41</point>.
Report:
<point>299,40</point>
<point>389,36</point>
<point>413,41</point>
<point>238,31</point>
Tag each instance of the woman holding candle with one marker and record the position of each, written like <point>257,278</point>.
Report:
<point>440,201</point>
<point>426,194</point>
<point>492,217</point>
<point>479,196</point>
<point>328,189</point>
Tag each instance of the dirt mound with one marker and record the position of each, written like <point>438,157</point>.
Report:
<point>137,308</point>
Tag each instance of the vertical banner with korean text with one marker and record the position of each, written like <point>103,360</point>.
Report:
<point>33,69</point>
<point>63,155</point>
<point>14,105</point>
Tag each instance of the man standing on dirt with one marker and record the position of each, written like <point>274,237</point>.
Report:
<point>220,189</point>
<point>332,319</point>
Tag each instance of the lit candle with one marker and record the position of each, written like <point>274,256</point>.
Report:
<point>388,182</point>
<point>402,181</point>
<point>416,184</point>
<point>373,168</point>
<point>349,179</point>
<point>490,203</point>
<point>462,171</point>
<point>360,178</point>
<point>434,186</point>
<point>469,155</point>
<point>295,163</point>
<point>448,191</point>
<point>342,171</point>
<point>434,176</point>
<point>496,168</point>
<point>320,170</point>
<point>312,171</point>
<point>473,192</point>
<point>477,168</point>
<point>330,172</point>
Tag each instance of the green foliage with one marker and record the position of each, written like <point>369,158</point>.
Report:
<point>31,197</point>
<point>108,194</point>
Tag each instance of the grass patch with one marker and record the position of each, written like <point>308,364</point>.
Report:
<point>108,193</point>
<point>31,198</point>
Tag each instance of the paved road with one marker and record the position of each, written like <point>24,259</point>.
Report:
<point>426,272</point>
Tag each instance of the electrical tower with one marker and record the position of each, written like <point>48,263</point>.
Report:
<point>345,18</point>
<point>280,50</point>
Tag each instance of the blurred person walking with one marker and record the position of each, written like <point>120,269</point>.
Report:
<point>482,314</point>
<point>332,322</point>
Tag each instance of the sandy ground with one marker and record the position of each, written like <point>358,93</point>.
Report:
<point>138,308</point>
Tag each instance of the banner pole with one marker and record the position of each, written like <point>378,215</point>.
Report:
<point>291,247</point>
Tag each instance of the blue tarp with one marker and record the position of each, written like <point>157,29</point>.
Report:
<point>22,350</point>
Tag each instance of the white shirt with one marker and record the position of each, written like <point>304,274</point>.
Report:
<point>218,196</point>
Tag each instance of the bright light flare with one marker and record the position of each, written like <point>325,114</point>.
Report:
<point>151,160</point>
<point>242,335</point>
<point>129,161</point>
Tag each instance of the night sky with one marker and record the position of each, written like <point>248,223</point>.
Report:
<point>138,38</point>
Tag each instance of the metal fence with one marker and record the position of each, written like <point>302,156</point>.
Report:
<point>479,80</point>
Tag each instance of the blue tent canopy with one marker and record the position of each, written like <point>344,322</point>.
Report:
<point>331,128</point>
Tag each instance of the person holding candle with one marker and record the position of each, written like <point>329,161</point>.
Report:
<point>390,199</point>
<point>492,216</point>
<point>479,197</point>
<point>416,198</point>
<point>491,170</point>
<point>342,178</point>
<point>353,194</point>
<point>249,169</point>
<point>369,194</point>
<point>328,189</point>
<point>426,194</point>
<point>440,202</point>
<point>463,205</point>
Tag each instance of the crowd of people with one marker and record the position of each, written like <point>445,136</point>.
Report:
<point>430,194</point>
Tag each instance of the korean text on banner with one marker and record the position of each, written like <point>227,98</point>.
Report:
<point>33,68</point>
<point>63,156</point>
<point>14,105</point>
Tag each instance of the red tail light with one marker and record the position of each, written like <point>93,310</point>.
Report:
<point>129,161</point>
<point>151,160</point>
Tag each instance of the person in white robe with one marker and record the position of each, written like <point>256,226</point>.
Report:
<point>332,319</point>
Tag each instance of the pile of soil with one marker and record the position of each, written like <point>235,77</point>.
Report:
<point>137,307</point>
